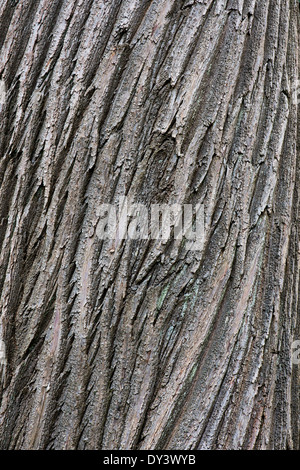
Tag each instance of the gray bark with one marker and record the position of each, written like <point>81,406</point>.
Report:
<point>143,344</point>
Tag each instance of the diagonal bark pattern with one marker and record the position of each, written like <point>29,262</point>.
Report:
<point>142,344</point>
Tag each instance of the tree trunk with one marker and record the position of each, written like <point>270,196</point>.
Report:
<point>145,344</point>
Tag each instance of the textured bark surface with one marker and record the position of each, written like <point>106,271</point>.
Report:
<point>143,344</point>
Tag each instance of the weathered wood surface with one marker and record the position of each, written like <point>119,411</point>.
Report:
<point>144,344</point>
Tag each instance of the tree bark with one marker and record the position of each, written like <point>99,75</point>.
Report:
<point>142,344</point>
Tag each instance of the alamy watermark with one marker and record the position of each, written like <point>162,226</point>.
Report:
<point>2,356</point>
<point>296,92</point>
<point>296,352</point>
<point>135,221</point>
<point>2,93</point>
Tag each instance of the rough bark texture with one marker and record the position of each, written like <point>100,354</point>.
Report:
<point>143,344</point>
